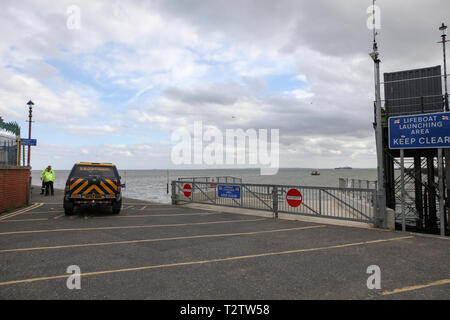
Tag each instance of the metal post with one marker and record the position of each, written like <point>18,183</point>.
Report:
<point>447,181</point>
<point>402,168</point>
<point>167,181</point>
<point>174,195</point>
<point>240,191</point>
<point>443,28</point>
<point>320,201</point>
<point>432,210</point>
<point>418,190</point>
<point>441,192</point>
<point>30,116</point>
<point>275,201</point>
<point>381,195</point>
<point>18,151</point>
<point>375,210</point>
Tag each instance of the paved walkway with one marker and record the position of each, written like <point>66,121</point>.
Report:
<point>157,251</point>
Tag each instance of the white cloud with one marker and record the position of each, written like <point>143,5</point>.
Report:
<point>169,63</point>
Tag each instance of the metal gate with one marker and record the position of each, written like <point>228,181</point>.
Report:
<point>337,203</point>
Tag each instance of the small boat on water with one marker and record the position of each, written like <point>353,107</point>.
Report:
<point>315,173</point>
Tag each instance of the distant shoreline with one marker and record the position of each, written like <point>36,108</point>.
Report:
<point>228,169</point>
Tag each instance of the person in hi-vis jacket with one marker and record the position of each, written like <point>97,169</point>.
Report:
<point>48,177</point>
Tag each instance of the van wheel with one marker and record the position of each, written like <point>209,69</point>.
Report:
<point>116,207</point>
<point>68,208</point>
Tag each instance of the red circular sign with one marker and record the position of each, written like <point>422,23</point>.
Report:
<point>187,190</point>
<point>294,198</point>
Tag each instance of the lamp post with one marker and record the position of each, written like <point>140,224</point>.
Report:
<point>381,195</point>
<point>443,29</point>
<point>30,115</point>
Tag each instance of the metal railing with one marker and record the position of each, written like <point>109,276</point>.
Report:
<point>338,203</point>
<point>217,179</point>
<point>9,150</point>
<point>357,183</point>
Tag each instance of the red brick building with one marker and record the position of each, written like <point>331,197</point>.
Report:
<point>14,187</point>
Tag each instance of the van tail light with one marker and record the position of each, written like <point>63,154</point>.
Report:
<point>67,186</point>
<point>119,187</point>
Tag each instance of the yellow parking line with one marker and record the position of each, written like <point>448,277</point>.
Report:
<point>58,216</point>
<point>162,239</point>
<point>143,207</point>
<point>52,203</point>
<point>155,215</point>
<point>143,203</point>
<point>128,227</point>
<point>417,287</point>
<point>23,210</point>
<point>16,213</point>
<point>179,264</point>
<point>50,211</point>
<point>24,220</point>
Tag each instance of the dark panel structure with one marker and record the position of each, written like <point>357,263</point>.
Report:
<point>413,91</point>
<point>410,92</point>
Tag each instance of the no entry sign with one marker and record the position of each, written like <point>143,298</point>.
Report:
<point>187,190</point>
<point>294,198</point>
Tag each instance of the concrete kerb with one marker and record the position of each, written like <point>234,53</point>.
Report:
<point>284,216</point>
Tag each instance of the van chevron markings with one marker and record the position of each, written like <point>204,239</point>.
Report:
<point>420,131</point>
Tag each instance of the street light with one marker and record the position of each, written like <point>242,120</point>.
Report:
<point>381,194</point>
<point>443,29</point>
<point>30,112</point>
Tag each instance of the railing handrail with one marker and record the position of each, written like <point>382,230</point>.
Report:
<point>354,204</point>
<point>285,186</point>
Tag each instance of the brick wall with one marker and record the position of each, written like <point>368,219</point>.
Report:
<point>13,186</point>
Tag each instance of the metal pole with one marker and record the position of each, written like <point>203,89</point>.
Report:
<point>275,201</point>
<point>381,195</point>
<point>445,72</point>
<point>447,182</point>
<point>402,168</point>
<point>443,28</point>
<point>174,195</point>
<point>18,151</point>
<point>441,192</point>
<point>29,132</point>
<point>167,181</point>
<point>320,201</point>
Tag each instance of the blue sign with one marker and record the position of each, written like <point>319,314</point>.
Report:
<point>28,142</point>
<point>228,191</point>
<point>420,131</point>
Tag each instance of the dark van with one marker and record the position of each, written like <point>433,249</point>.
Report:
<point>94,184</point>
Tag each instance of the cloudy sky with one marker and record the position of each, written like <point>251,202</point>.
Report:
<point>117,87</point>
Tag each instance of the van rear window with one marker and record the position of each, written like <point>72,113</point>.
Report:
<point>89,171</point>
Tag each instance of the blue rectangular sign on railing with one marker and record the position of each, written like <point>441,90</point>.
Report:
<point>228,191</point>
<point>420,131</point>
